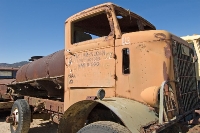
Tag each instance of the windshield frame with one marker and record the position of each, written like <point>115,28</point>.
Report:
<point>141,22</point>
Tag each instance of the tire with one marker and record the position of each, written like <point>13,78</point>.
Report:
<point>104,127</point>
<point>22,109</point>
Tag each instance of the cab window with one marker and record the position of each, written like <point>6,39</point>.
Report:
<point>92,27</point>
<point>129,23</point>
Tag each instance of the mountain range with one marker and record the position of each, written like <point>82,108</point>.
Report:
<point>17,64</point>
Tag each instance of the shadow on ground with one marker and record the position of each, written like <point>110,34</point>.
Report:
<point>3,115</point>
<point>43,127</point>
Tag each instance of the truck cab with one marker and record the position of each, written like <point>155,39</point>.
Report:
<point>127,57</point>
<point>99,53</point>
<point>110,48</point>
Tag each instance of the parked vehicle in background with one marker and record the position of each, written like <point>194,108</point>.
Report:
<point>117,73</point>
<point>7,76</point>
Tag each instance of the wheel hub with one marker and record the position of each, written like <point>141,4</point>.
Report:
<point>13,119</point>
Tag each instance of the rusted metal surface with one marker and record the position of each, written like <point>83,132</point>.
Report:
<point>9,68</point>
<point>6,105</point>
<point>54,108</point>
<point>3,86</point>
<point>37,69</point>
<point>50,105</point>
<point>7,76</point>
<point>89,64</point>
<point>52,88</point>
<point>92,64</point>
<point>48,66</point>
<point>110,5</point>
<point>6,81</point>
<point>75,117</point>
<point>149,127</point>
<point>91,98</point>
<point>150,56</point>
<point>10,119</point>
<point>21,73</point>
<point>194,41</point>
<point>4,95</point>
<point>143,52</point>
<point>44,116</point>
<point>132,113</point>
<point>57,64</point>
<point>46,73</point>
<point>185,76</point>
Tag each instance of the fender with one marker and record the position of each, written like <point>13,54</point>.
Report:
<point>133,114</point>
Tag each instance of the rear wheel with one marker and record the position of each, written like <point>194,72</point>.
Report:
<point>21,114</point>
<point>104,127</point>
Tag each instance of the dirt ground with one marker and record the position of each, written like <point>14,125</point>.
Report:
<point>40,126</point>
<point>37,126</point>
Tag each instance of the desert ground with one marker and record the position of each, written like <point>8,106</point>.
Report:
<point>37,126</point>
<point>40,126</point>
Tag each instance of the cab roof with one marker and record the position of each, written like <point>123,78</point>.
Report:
<point>109,4</point>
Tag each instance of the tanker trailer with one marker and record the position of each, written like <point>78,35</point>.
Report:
<point>43,77</point>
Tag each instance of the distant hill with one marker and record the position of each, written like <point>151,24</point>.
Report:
<point>17,64</point>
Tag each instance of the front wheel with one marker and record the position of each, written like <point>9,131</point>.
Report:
<point>22,117</point>
<point>104,127</point>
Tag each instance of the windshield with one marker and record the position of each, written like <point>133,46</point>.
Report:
<point>130,22</point>
<point>7,74</point>
<point>91,27</point>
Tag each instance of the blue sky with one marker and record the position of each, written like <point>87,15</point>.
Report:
<point>36,27</point>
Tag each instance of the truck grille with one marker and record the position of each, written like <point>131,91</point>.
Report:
<point>185,77</point>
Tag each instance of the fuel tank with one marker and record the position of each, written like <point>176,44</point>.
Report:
<point>46,73</point>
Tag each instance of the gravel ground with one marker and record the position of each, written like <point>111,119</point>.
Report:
<point>37,126</point>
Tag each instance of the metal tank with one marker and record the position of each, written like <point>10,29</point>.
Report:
<point>46,73</point>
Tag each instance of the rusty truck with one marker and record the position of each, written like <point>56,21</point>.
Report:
<point>117,73</point>
<point>7,76</point>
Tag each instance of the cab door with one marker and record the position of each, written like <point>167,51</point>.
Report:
<point>90,62</point>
